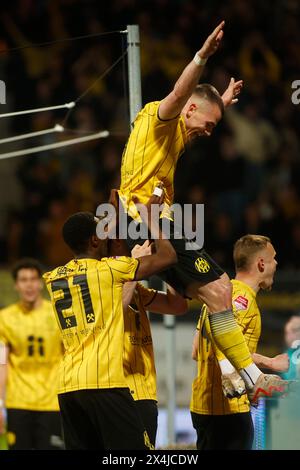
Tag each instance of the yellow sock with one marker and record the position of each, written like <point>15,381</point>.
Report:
<point>219,355</point>
<point>229,339</point>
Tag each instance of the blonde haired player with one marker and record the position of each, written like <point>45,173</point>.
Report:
<point>223,423</point>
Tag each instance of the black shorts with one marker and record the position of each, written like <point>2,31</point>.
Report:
<point>149,414</point>
<point>226,432</point>
<point>39,430</point>
<point>194,265</point>
<point>102,419</point>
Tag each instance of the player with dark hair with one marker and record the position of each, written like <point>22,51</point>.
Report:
<point>160,133</point>
<point>98,411</point>
<point>223,423</point>
<point>27,263</point>
<point>28,378</point>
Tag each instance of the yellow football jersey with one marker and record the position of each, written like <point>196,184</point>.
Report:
<point>151,154</point>
<point>207,395</point>
<point>139,366</point>
<point>86,295</point>
<point>35,351</point>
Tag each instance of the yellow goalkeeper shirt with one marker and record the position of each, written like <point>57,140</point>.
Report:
<point>207,395</point>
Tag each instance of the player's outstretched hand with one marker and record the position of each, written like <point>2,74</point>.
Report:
<point>142,250</point>
<point>212,42</point>
<point>234,88</point>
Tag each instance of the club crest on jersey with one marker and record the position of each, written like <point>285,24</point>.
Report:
<point>241,303</point>
<point>202,265</point>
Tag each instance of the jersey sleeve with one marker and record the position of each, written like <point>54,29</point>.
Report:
<point>198,327</point>
<point>151,111</point>
<point>123,268</point>
<point>202,317</point>
<point>4,336</point>
<point>146,295</point>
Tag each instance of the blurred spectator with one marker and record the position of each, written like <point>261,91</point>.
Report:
<point>291,258</point>
<point>292,341</point>
<point>220,240</point>
<point>247,175</point>
<point>52,245</point>
<point>256,139</point>
<point>259,65</point>
<point>231,180</point>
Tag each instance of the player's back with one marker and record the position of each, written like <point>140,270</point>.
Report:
<point>151,155</point>
<point>87,298</point>
<point>139,365</point>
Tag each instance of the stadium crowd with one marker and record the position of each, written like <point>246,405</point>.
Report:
<point>247,175</point>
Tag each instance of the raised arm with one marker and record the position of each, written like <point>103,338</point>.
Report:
<point>169,302</point>
<point>172,105</point>
<point>164,257</point>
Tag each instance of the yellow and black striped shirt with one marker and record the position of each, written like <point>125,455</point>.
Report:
<point>139,365</point>
<point>86,295</point>
<point>207,395</point>
<point>151,154</point>
<point>35,352</point>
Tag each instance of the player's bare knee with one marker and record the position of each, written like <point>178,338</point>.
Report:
<point>228,294</point>
<point>214,298</point>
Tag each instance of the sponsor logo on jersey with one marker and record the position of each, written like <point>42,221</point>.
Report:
<point>241,303</point>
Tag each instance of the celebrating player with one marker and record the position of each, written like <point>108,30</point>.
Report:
<point>98,411</point>
<point>222,423</point>
<point>160,133</point>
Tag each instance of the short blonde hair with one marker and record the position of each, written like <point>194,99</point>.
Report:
<point>245,248</point>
